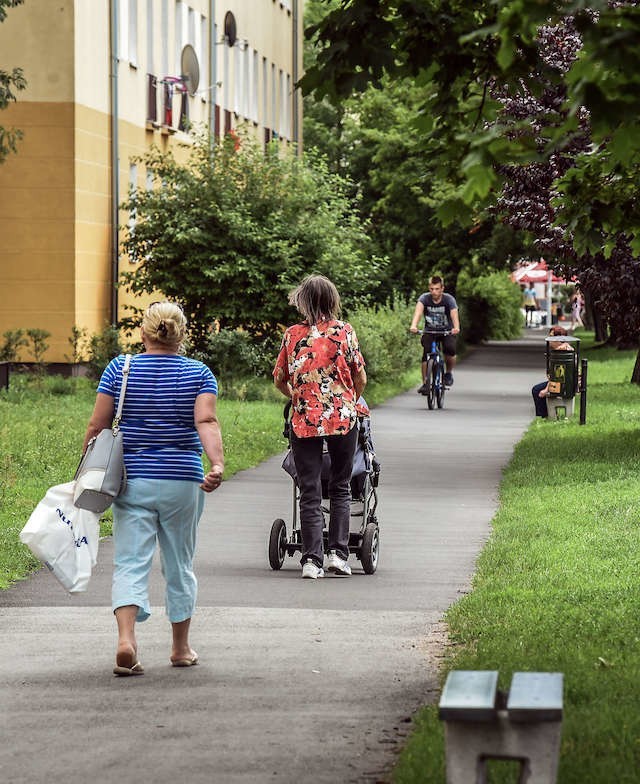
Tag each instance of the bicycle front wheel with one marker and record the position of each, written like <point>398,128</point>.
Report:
<point>440,388</point>
<point>432,378</point>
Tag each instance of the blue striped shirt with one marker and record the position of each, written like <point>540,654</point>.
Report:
<point>158,428</point>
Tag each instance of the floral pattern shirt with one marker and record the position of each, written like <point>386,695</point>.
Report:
<point>319,362</point>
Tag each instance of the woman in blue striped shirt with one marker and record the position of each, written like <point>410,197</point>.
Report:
<point>169,417</point>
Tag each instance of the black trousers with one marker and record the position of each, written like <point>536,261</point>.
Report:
<point>540,402</point>
<point>307,456</point>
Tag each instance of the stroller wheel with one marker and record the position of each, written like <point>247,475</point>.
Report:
<point>370,548</point>
<point>277,544</point>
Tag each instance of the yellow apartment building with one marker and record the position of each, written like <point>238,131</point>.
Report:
<point>106,79</point>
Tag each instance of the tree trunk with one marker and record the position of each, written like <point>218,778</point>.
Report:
<point>599,325</point>
<point>635,376</point>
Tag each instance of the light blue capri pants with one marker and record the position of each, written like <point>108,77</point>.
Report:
<point>166,511</point>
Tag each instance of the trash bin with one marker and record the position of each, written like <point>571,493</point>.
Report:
<point>562,371</point>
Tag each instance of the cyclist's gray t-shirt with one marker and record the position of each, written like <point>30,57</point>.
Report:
<point>438,316</point>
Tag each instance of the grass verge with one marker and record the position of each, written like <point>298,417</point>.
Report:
<point>42,424</point>
<point>557,586</point>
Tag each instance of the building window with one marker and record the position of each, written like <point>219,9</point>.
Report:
<point>164,36</point>
<point>274,98</point>
<point>282,126</point>
<point>192,29</point>
<point>123,18</point>
<point>179,33</point>
<point>133,32</point>
<point>201,51</point>
<point>128,28</point>
<point>226,92</point>
<point>287,107</point>
<point>150,51</point>
<point>246,82</point>
<point>265,92</point>
<point>152,99</point>
<point>237,80</point>
<point>255,85</point>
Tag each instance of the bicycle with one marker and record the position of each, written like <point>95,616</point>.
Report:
<point>434,380</point>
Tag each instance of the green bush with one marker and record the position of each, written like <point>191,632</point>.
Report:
<point>103,347</point>
<point>242,361</point>
<point>14,339</point>
<point>388,347</point>
<point>489,306</point>
<point>234,355</point>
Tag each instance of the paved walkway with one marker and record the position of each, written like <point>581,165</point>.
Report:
<point>298,678</point>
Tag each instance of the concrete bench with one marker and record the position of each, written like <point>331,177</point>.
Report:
<point>483,723</point>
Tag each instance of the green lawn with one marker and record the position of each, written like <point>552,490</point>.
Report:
<point>42,425</point>
<point>557,586</point>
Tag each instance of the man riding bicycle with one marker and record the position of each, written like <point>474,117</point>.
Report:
<point>440,313</point>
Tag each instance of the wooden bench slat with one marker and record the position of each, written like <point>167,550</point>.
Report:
<point>469,695</point>
<point>535,696</point>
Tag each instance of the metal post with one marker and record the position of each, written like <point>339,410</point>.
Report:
<point>583,393</point>
<point>115,162</point>
<point>549,294</point>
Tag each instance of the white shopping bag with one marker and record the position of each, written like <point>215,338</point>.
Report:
<point>64,537</point>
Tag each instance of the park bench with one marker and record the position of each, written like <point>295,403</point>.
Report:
<point>483,723</point>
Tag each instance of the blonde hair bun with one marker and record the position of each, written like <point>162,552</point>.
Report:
<point>164,322</point>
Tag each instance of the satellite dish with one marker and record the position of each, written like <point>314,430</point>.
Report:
<point>230,29</point>
<point>189,69</point>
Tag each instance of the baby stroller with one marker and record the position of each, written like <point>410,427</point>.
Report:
<point>364,537</point>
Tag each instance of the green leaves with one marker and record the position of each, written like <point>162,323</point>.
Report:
<point>229,234</point>
<point>11,82</point>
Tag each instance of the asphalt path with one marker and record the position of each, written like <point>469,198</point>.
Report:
<point>298,679</point>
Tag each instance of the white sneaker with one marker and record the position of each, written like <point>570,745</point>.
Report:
<point>338,565</point>
<point>310,571</point>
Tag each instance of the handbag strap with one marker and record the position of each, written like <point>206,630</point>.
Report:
<point>125,377</point>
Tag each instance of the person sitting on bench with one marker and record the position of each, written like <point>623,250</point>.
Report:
<point>540,391</point>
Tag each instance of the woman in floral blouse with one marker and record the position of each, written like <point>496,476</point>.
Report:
<point>321,369</point>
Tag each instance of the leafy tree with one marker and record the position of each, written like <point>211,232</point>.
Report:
<point>514,107</point>
<point>10,83</point>
<point>457,51</point>
<point>229,233</point>
<point>372,137</point>
<point>541,196</point>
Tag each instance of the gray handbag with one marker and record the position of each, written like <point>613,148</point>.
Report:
<point>101,475</point>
